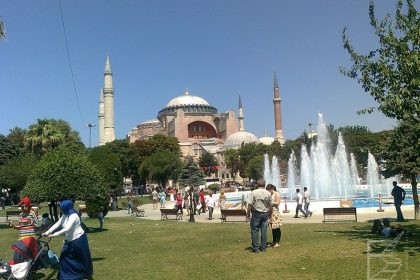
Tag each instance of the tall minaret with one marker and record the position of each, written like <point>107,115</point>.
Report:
<point>101,116</point>
<point>277,112</point>
<point>108,90</point>
<point>241,116</point>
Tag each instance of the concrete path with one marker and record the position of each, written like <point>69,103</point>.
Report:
<point>363,215</point>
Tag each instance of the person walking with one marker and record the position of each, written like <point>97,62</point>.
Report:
<point>202,201</point>
<point>100,215</point>
<point>299,202</point>
<point>129,205</point>
<point>260,205</point>
<point>155,198</point>
<point>162,196</point>
<point>275,220</point>
<point>178,201</point>
<point>222,200</point>
<point>211,203</point>
<point>75,258</point>
<point>306,201</point>
<point>399,195</point>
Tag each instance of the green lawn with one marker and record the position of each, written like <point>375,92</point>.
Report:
<point>141,249</point>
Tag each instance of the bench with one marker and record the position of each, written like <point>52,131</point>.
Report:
<point>350,211</point>
<point>233,212</point>
<point>170,211</point>
<point>137,212</point>
<point>12,213</point>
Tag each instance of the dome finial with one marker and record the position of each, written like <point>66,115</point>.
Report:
<point>186,91</point>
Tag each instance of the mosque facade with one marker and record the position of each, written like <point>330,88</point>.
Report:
<point>198,125</point>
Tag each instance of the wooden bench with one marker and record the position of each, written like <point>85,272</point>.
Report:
<point>137,212</point>
<point>349,211</point>
<point>12,213</point>
<point>233,212</point>
<point>170,211</point>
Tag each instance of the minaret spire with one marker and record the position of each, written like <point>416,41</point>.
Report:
<point>101,117</point>
<point>241,115</point>
<point>108,92</point>
<point>277,111</point>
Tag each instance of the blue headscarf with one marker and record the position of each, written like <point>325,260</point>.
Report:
<point>67,207</point>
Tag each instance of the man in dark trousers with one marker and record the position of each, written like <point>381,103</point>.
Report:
<point>399,195</point>
<point>261,207</point>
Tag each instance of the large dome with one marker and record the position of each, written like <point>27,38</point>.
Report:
<point>187,99</point>
<point>267,140</point>
<point>190,104</point>
<point>235,140</point>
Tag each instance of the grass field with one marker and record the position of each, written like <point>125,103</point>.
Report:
<point>132,248</point>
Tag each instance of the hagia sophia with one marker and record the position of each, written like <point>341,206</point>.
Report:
<point>199,127</point>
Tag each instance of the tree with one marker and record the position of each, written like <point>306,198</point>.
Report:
<point>17,135</point>
<point>62,174</point>
<point>255,168</point>
<point>247,152</point>
<point>402,157</point>
<point>232,161</point>
<point>208,163</point>
<point>15,173</point>
<point>191,175</point>
<point>391,74</point>
<point>108,163</point>
<point>161,166</point>
<point>48,134</point>
<point>8,149</point>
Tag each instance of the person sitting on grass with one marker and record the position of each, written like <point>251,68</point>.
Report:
<point>384,228</point>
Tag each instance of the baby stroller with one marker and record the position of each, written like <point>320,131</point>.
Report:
<point>30,255</point>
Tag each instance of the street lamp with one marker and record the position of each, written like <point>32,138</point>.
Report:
<point>90,132</point>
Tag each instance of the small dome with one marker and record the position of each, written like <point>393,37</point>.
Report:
<point>266,140</point>
<point>235,140</point>
<point>187,99</point>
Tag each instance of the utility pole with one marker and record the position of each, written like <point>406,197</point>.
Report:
<point>90,132</point>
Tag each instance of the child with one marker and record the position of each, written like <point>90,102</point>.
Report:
<point>46,222</point>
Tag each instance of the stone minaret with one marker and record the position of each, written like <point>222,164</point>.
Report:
<point>277,112</point>
<point>108,90</point>
<point>101,116</point>
<point>241,116</point>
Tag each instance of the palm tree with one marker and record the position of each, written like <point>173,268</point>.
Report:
<point>48,134</point>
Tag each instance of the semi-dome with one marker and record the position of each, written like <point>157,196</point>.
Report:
<point>235,140</point>
<point>266,140</point>
<point>187,99</point>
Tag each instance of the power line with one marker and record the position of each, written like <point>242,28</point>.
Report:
<point>69,59</point>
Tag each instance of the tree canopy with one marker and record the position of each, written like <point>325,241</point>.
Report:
<point>108,163</point>
<point>63,174</point>
<point>161,166</point>
<point>391,72</point>
<point>191,175</point>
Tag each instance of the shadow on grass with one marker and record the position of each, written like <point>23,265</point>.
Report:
<point>97,259</point>
<point>96,230</point>
<point>4,226</point>
<point>408,242</point>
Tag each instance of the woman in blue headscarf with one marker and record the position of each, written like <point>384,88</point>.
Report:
<point>75,259</point>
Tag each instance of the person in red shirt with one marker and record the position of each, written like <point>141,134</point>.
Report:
<point>178,202</point>
<point>202,201</point>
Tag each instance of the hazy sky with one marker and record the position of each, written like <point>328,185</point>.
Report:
<point>217,49</point>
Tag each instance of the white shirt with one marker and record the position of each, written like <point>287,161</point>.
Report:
<point>211,202</point>
<point>70,227</point>
<point>306,197</point>
<point>299,198</point>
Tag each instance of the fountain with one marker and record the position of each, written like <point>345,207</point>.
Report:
<point>330,175</point>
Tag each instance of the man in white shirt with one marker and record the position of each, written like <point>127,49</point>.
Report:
<point>261,207</point>
<point>211,202</point>
<point>299,202</point>
<point>306,201</point>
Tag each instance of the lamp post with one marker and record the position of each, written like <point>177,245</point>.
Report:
<point>192,219</point>
<point>90,132</point>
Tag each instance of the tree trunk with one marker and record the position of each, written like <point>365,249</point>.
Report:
<point>415,197</point>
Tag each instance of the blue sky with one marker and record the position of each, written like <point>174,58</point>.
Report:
<point>217,49</point>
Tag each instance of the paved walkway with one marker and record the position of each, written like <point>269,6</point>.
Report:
<point>363,215</point>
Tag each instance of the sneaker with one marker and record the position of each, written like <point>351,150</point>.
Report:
<point>254,251</point>
<point>276,245</point>
<point>296,217</point>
